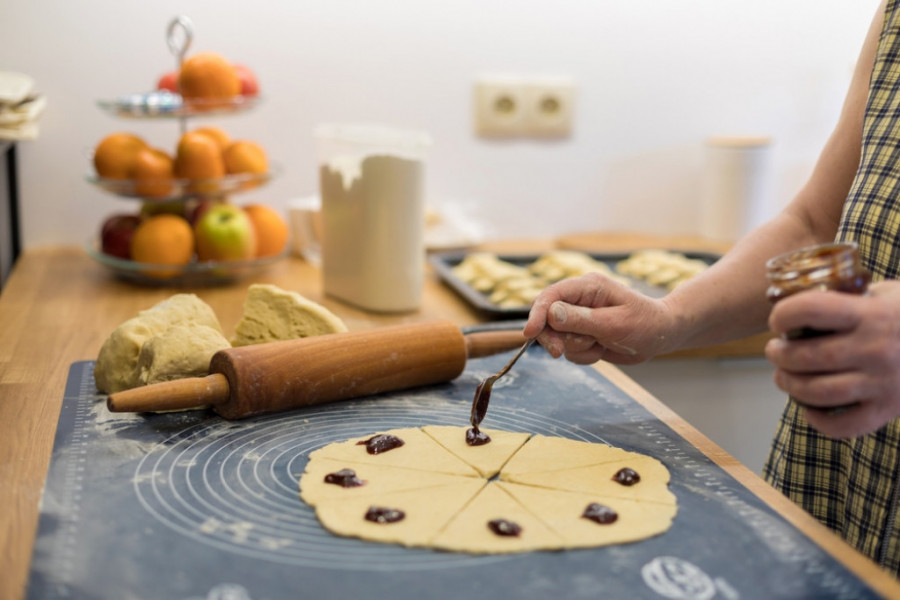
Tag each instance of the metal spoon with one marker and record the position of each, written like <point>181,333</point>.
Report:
<point>483,391</point>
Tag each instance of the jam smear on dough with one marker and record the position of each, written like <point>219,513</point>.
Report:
<point>600,514</point>
<point>504,528</point>
<point>383,515</point>
<point>381,443</point>
<point>626,476</point>
<point>476,437</point>
<point>346,478</point>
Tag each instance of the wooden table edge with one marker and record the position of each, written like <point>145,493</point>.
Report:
<point>867,570</point>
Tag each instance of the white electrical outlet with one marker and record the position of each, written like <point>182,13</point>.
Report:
<point>499,106</point>
<point>518,106</point>
<point>549,107</point>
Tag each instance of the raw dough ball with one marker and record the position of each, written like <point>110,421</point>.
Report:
<point>116,367</point>
<point>273,314</point>
<point>180,351</point>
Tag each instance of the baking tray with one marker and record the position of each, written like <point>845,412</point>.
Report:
<point>443,263</point>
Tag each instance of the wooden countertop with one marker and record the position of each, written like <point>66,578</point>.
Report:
<point>58,306</point>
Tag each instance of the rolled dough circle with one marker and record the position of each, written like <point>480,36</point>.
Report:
<point>452,495</point>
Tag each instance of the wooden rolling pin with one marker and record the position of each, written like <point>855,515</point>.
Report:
<point>276,376</point>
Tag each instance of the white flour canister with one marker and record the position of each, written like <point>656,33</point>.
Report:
<point>372,188</point>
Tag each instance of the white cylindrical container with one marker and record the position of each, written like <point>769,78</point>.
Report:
<point>372,189</point>
<point>736,186</point>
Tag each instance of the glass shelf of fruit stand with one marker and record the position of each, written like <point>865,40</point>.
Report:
<point>169,190</point>
<point>194,273</point>
<point>167,105</point>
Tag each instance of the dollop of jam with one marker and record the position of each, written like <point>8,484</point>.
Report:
<point>345,478</point>
<point>504,528</point>
<point>600,514</point>
<point>476,437</point>
<point>381,443</point>
<point>383,515</point>
<point>626,476</point>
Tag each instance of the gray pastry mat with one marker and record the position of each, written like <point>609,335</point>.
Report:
<point>190,506</point>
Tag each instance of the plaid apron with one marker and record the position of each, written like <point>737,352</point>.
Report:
<point>853,486</point>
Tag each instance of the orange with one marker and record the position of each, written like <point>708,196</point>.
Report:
<point>153,173</point>
<point>198,157</point>
<point>221,137</point>
<point>163,239</point>
<point>244,156</point>
<point>271,229</point>
<point>114,156</point>
<point>208,76</point>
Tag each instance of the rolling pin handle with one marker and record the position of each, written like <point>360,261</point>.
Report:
<point>181,394</point>
<point>488,343</point>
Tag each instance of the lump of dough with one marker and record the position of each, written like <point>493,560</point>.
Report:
<point>180,351</point>
<point>116,367</point>
<point>273,314</point>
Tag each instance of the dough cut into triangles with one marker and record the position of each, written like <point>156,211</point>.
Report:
<point>544,453</point>
<point>378,480</point>
<point>562,512</point>
<point>597,480</point>
<point>469,529</point>
<point>419,451</point>
<point>487,459</point>
<point>441,484</point>
<point>426,510</point>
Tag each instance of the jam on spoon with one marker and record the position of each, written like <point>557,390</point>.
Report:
<point>483,391</point>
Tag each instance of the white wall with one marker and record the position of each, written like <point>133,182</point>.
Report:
<point>655,78</point>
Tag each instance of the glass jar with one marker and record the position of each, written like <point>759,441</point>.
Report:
<point>835,267</point>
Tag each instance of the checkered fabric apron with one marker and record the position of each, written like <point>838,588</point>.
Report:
<point>853,486</point>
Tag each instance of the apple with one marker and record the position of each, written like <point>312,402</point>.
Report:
<point>249,83</point>
<point>199,209</point>
<point>225,232</point>
<point>116,233</point>
<point>168,81</point>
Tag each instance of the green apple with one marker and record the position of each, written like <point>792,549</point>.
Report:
<point>225,232</point>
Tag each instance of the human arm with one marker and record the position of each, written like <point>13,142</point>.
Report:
<point>591,318</point>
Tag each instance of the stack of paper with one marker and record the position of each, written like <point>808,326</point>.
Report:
<point>20,107</point>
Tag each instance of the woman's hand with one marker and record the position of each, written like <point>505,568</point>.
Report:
<point>849,381</point>
<point>591,317</point>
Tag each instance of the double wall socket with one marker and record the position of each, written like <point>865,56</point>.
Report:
<point>518,106</point>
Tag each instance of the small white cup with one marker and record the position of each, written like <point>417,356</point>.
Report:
<point>305,217</point>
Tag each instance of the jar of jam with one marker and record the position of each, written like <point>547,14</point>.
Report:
<point>834,267</point>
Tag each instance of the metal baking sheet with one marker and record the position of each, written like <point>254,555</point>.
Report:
<point>444,262</point>
<point>188,506</point>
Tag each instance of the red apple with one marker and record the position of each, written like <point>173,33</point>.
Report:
<point>116,233</point>
<point>249,83</point>
<point>199,209</point>
<point>168,81</point>
<point>225,232</point>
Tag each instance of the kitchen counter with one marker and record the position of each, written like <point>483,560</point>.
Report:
<point>58,306</point>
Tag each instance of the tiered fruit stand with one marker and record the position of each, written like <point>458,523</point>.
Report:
<point>182,193</point>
